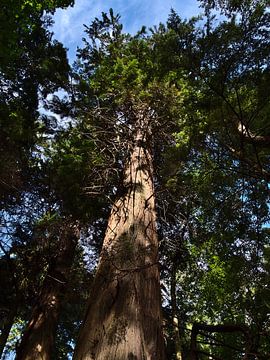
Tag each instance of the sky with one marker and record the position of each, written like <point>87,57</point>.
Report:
<point>68,27</point>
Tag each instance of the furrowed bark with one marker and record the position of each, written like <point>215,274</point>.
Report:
<point>38,339</point>
<point>123,320</point>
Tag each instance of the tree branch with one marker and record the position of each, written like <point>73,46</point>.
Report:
<point>250,137</point>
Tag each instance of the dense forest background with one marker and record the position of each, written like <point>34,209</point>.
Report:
<point>135,206</point>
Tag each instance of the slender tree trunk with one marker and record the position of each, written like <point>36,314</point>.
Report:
<point>38,339</point>
<point>175,325</point>
<point>6,329</point>
<point>123,320</point>
<point>193,343</point>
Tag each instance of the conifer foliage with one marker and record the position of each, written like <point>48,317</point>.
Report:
<point>149,212</point>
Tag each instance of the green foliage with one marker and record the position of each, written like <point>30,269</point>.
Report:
<point>31,67</point>
<point>76,170</point>
<point>200,84</point>
<point>231,7</point>
<point>14,336</point>
<point>19,21</point>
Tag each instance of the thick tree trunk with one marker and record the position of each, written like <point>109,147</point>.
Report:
<point>175,325</point>
<point>38,339</point>
<point>123,320</point>
<point>6,330</point>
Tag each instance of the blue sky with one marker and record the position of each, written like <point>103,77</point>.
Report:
<point>68,27</point>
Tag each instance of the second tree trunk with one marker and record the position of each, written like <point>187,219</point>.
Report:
<point>39,337</point>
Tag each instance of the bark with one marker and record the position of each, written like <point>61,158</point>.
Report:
<point>193,343</point>
<point>123,320</point>
<point>175,324</point>
<point>6,330</point>
<point>38,339</point>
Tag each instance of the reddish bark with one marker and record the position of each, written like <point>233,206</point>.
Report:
<point>38,339</point>
<point>123,320</point>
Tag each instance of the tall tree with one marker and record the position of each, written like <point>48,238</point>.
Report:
<point>32,65</point>
<point>122,89</point>
<point>39,336</point>
<point>229,169</point>
<point>181,134</point>
<point>126,319</point>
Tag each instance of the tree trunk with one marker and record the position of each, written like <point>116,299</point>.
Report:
<point>38,339</point>
<point>193,343</point>
<point>123,320</point>
<point>6,330</point>
<point>175,325</point>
